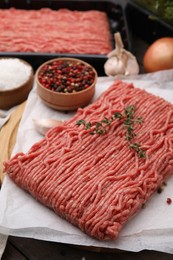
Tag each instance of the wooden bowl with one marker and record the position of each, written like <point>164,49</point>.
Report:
<point>65,101</point>
<point>14,96</point>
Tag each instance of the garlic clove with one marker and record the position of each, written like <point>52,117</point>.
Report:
<point>120,61</point>
<point>132,67</point>
<point>114,67</point>
<point>42,126</point>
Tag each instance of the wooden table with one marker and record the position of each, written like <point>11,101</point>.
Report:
<point>25,248</point>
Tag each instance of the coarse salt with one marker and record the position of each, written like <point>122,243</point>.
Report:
<point>13,73</point>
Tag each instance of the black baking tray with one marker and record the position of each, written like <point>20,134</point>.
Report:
<point>115,12</point>
<point>146,24</point>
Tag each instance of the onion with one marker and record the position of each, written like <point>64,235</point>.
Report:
<point>159,56</point>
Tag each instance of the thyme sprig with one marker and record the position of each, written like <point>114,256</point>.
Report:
<point>127,117</point>
<point>99,127</point>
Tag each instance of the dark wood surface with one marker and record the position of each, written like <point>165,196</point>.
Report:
<point>25,248</point>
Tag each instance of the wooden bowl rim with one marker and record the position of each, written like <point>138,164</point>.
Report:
<point>61,93</point>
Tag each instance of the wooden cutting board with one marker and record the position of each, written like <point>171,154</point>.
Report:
<point>8,137</point>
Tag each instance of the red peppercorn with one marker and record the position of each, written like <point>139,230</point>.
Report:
<point>66,76</point>
<point>169,201</point>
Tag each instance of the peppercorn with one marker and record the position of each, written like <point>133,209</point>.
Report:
<point>169,201</point>
<point>66,76</point>
<point>159,190</point>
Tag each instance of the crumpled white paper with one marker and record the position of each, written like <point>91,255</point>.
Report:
<point>21,215</point>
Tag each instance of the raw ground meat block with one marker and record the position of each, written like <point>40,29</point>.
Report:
<point>99,181</point>
<point>55,31</point>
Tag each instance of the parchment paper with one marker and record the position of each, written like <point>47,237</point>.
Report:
<point>21,215</point>
<point>3,242</point>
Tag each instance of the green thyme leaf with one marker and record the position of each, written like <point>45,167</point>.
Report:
<point>98,124</point>
<point>80,122</point>
<point>106,121</point>
<point>117,115</point>
<point>88,126</point>
<point>100,131</point>
<point>139,120</point>
<point>142,154</point>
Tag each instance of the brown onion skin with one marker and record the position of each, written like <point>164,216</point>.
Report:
<point>159,55</point>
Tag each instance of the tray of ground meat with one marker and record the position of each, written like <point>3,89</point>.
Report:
<point>40,30</point>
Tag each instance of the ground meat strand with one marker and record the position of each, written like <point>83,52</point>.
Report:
<point>96,181</point>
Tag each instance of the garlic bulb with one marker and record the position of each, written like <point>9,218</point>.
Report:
<point>120,61</point>
<point>44,125</point>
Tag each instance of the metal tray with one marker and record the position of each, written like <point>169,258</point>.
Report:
<point>145,24</point>
<point>115,13</point>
